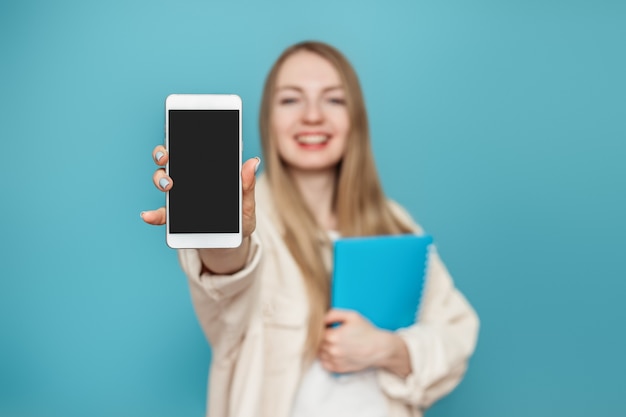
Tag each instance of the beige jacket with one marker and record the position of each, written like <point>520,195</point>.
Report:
<point>256,324</point>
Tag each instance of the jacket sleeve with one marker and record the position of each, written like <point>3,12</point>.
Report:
<point>439,344</point>
<point>223,303</point>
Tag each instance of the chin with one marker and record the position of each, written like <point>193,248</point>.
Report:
<point>315,168</point>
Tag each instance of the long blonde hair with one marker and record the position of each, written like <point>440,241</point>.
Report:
<point>359,202</point>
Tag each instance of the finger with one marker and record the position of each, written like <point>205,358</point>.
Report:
<point>161,180</point>
<point>155,217</point>
<point>331,350</point>
<point>330,365</point>
<point>160,155</point>
<point>248,182</point>
<point>325,358</point>
<point>334,352</point>
<point>337,316</point>
<point>248,173</point>
<point>327,365</point>
<point>330,338</point>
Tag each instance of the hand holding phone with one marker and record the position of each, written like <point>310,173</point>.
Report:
<point>245,180</point>
<point>203,138</point>
<point>248,180</point>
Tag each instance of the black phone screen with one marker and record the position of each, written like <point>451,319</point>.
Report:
<point>204,165</point>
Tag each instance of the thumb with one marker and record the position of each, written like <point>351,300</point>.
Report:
<point>248,171</point>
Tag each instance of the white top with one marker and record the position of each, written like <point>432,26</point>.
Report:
<point>325,394</point>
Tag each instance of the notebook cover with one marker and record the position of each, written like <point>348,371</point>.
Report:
<point>381,277</point>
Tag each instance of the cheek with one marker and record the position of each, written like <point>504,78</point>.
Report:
<point>342,125</point>
<point>281,137</point>
<point>275,124</point>
<point>281,134</point>
<point>341,120</point>
<point>283,120</point>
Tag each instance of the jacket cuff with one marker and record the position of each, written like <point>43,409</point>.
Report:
<point>405,389</point>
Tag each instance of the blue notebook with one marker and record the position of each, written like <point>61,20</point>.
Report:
<point>381,277</point>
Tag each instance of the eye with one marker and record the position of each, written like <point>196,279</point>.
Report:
<point>288,100</point>
<point>337,100</point>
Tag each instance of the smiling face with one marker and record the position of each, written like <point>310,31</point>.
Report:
<point>309,117</point>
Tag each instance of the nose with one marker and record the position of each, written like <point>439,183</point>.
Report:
<point>312,113</point>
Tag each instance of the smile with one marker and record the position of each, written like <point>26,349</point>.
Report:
<point>312,139</point>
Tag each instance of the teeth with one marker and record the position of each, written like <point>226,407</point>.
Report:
<point>312,139</point>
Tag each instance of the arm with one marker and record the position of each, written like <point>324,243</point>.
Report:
<point>222,302</point>
<point>225,261</point>
<point>439,345</point>
<point>357,344</point>
<point>221,280</point>
<point>401,356</point>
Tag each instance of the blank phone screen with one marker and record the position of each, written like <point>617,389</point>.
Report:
<point>204,165</point>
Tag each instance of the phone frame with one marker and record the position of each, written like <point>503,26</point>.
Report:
<point>203,102</point>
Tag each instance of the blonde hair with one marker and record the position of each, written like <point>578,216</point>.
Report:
<point>359,202</point>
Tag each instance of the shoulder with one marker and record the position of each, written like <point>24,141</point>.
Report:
<point>400,213</point>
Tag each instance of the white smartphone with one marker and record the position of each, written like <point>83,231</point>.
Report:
<point>203,139</point>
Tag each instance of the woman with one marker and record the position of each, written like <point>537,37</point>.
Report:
<point>264,305</point>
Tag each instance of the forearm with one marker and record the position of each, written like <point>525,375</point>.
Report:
<point>393,354</point>
<point>225,261</point>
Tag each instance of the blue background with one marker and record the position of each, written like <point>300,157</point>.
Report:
<point>500,125</point>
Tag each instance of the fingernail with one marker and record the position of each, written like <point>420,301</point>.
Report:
<point>163,182</point>
<point>159,155</point>
<point>258,164</point>
<point>141,214</point>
